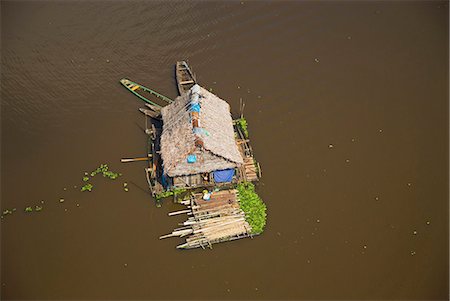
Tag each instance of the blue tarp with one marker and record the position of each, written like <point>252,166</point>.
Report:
<point>191,158</point>
<point>195,107</point>
<point>225,175</point>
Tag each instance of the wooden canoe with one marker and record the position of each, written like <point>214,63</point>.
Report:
<point>185,77</point>
<point>143,92</point>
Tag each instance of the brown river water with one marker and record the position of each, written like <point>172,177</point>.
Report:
<point>347,104</point>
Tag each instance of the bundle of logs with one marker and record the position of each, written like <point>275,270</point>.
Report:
<point>216,220</point>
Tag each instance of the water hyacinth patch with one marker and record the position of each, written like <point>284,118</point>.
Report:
<point>87,187</point>
<point>253,206</point>
<point>102,169</point>
<point>242,122</point>
<point>8,212</point>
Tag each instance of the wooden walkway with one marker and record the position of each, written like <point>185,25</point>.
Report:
<point>250,171</point>
<point>216,220</point>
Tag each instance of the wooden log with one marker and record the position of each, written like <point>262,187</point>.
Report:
<point>127,160</point>
<point>179,212</point>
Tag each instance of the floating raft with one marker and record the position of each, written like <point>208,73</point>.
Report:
<point>216,220</point>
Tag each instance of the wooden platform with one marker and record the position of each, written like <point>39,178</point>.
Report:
<point>216,220</point>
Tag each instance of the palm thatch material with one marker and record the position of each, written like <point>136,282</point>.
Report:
<point>215,133</point>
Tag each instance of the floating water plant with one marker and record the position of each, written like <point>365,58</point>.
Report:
<point>253,206</point>
<point>242,123</point>
<point>7,211</point>
<point>163,195</point>
<point>29,209</point>
<point>104,170</point>
<point>87,187</point>
<point>111,175</point>
<point>37,208</point>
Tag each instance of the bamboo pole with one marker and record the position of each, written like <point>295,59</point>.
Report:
<point>179,212</point>
<point>127,160</point>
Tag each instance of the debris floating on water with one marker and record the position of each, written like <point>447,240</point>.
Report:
<point>61,200</point>
<point>415,232</point>
<point>330,145</point>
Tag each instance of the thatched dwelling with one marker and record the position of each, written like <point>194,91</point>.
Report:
<point>198,142</point>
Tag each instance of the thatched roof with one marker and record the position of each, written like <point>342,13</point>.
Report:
<point>178,139</point>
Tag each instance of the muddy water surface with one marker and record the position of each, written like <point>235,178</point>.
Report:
<point>348,110</point>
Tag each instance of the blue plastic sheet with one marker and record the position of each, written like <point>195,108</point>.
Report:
<point>225,175</point>
<point>191,158</point>
<point>195,107</point>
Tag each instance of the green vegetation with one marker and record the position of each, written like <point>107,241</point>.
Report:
<point>8,212</point>
<point>253,206</point>
<point>179,194</point>
<point>102,169</point>
<point>176,192</point>
<point>163,195</point>
<point>87,187</point>
<point>29,209</point>
<point>242,122</point>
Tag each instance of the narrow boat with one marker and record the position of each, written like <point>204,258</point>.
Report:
<point>185,77</point>
<point>140,91</point>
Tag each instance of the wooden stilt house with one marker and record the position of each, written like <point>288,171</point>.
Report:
<point>198,142</point>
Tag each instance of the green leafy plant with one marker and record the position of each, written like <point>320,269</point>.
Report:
<point>29,209</point>
<point>163,195</point>
<point>242,123</point>
<point>253,206</point>
<point>87,187</point>
<point>102,169</point>
<point>7,211</point>
<point>111,175</point>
